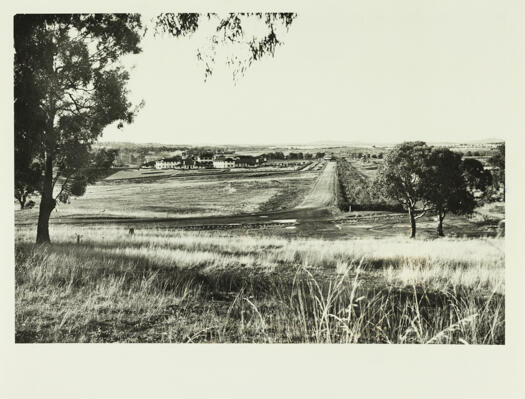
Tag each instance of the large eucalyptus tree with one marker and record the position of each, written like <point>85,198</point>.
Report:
<point>69,85</point>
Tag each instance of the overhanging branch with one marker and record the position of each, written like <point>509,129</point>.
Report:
<point>64,185</point>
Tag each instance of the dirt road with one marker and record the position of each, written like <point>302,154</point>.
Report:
<point>323,192</point>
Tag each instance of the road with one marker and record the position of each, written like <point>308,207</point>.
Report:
<point>323,192</point>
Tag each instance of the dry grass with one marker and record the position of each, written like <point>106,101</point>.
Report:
<point>207,195</point>
<point>164,286</point>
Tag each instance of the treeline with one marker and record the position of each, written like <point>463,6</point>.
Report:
<point>366,156</point>
<point>356,193</point>
<point>279,155</point>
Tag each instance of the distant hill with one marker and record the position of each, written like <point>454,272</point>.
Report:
<point>318,143</point>
<point>333,143</point>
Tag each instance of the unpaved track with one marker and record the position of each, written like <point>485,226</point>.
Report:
<point>323,193</point>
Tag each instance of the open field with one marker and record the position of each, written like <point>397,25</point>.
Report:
<point>162,286</point>
<point>290,204</point>
<point>179,194</point>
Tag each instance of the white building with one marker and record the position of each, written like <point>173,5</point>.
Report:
<point>167,164</point>
<point>223,163</point>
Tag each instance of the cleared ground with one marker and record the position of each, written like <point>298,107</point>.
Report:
<point>179,195</point>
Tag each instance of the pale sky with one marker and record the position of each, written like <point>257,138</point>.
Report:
<point>374,72</point>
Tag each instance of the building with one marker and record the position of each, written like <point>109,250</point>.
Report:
<point>188,162</point>
<point>162,164</point>
<point>204,160</point>
<point>222,162</point>
<point>205,157</point>
<point>169,163</point>
<point>208,160</point>
<point>150,158</point>
<point>246,161</point>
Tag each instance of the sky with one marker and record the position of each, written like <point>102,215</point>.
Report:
<point>372,72</point>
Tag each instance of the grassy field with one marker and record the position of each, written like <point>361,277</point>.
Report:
<point>175,286</point>
<point>189,193</point>
<point>319,276</point>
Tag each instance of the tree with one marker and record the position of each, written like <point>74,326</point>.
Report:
<point>27,178</point>
<point>402,177</point>
<point>69,85</point>
<point>27,171</point>
<point>476,177</point>
<point>446,184</point>
<point>498,161</point>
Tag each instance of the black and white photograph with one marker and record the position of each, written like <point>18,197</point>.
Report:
<point>275,176</point>
<point>261,227</point>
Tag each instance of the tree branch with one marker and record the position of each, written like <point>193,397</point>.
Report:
<point>79,107</point>
<point>56,179</point>
<point>64,185</point>
<point>423,213</point>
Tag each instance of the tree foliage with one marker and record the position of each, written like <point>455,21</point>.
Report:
<point>446,185</point>
<point>498,161</point>
<point>431,179</point>
<point>401,177</point>
<point>234,30</point>
<point>476,177</point>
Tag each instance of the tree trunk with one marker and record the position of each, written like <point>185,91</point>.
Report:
<point>47,204</point>
<point>412,222</point>
<point>441,216</point>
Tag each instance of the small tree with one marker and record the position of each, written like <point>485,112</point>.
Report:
<point>446,186</point>
<point>27,178</point>
<point>402,177</point>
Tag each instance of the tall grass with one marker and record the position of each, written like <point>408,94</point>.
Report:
<point>162,286</point>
